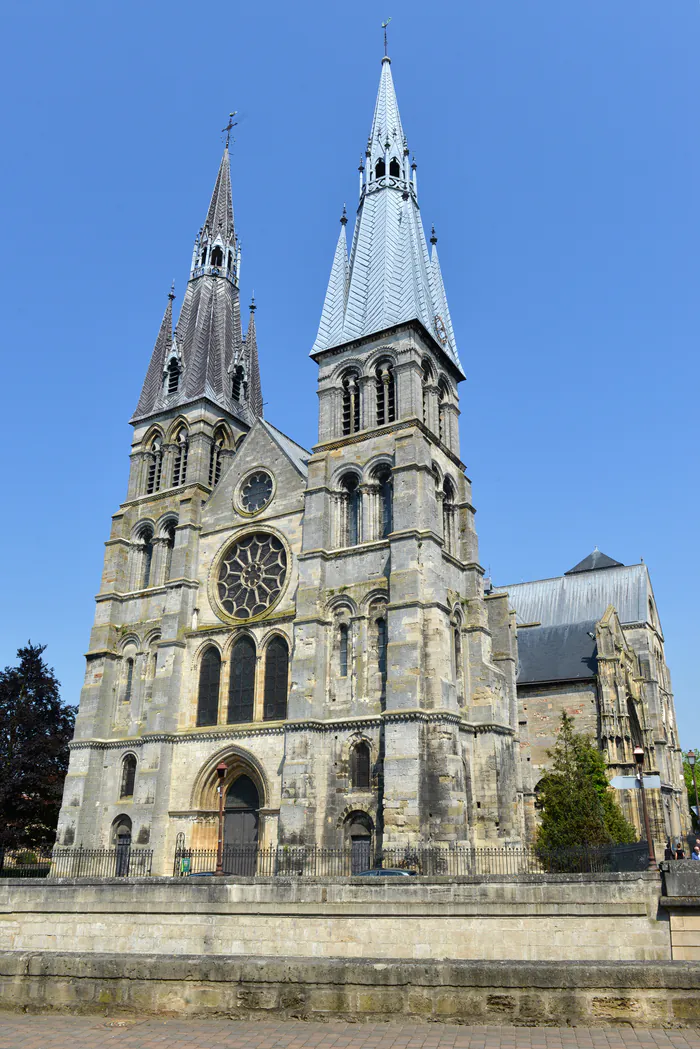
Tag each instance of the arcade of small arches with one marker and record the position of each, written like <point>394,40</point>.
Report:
<point>137,670</point>
<point>368,632</point>
<point>151,553</point>
<point>370,398</point>
<point>166,460</point>
<point>249,683</point>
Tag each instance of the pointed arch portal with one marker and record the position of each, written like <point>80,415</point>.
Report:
<point>241,821</point>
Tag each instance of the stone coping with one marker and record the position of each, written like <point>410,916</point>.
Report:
<point>368,971</point>
<point>369,883</point>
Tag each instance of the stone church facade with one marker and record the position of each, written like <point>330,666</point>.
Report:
<point>318,620</point>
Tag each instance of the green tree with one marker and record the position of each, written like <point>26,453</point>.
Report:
<point>35,730</point>
<point>690,786</point>
<point>577,802</point>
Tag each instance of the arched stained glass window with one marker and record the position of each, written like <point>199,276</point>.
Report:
<point>241,693</point>
<point>129,683</point>
<point>128,776</point>
<point>381,650</point>
<point>350,486</point>
<point>343,650</point>
<point>276,674</point>
<point>360,767</point>
<point>209,678</point>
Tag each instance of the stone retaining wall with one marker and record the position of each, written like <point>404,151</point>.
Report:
<point>538,917</point>
<point>642,993</point>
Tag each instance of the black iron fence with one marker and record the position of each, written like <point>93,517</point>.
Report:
<point>450,861</point>
<point>76,862</point>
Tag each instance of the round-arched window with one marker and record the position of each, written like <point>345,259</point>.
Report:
<point>251,575</point>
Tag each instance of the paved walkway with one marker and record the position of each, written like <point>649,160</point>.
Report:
<point>90,1032</point>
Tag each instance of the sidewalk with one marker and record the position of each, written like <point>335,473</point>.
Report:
<point>90,1032</point>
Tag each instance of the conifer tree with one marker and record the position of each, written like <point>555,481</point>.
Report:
<point>577,802</point>
<point>35,730</point>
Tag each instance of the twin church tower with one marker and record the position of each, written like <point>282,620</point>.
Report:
<point>315,620</point>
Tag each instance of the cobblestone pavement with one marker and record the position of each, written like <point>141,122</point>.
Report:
<point>89,1032</point>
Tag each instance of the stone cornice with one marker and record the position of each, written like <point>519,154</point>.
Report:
<point>317,725</point>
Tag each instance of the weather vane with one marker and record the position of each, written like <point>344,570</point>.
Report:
<point>231,124</point>
<point>384,25</point>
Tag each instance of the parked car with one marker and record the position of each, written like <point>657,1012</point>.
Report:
<point>386,872</point>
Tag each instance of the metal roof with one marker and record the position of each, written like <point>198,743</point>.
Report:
<point>298,455</point>
<point>557,653</point>
<point>390,278</point>
<point>583,596</point>
<point>595,560</point>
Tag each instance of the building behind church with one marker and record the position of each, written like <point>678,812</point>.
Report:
<point>318,620</point>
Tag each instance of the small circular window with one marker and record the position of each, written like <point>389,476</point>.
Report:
<point>251,575</point>
<point>256,491</point>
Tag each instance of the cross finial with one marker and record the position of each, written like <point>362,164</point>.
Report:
<point>384,25</point>
<point>229,127</point>
<point>344,217</point>
<point>171,293</point>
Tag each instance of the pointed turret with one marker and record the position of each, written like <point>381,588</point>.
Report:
<point>156,369</point>
<point>251,348</point>
<point>199,360</point>
<point>330,330</point>
<point>390,278</point>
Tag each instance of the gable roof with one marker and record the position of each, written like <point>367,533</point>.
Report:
<point>583,596</point>
<point>298,456</point>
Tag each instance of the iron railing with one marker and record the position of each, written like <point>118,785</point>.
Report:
<point>121,861</point>
<point>431,861</point>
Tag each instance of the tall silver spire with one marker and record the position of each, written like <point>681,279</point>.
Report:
<point>390,277</point>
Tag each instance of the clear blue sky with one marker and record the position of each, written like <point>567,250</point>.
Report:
<point>558,156</point>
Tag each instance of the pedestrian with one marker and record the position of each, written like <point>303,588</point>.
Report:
<point>695,855</point>
<point>680,854</point>
<point>668,851</point>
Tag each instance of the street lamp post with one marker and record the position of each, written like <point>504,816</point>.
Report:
<point>221,770</point>
<point>691,761</point>
<point>639,758</point>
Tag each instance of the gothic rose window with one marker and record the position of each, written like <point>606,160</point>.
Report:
<point>256,491</point>
<point>251,575</point>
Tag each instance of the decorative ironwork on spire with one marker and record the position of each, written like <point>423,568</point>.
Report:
<point>390,277</point>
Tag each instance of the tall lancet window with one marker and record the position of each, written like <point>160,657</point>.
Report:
<point>172,377</point>
<point>350,510</point>
<point>180,460</point>
<point>386,490</point>
<point>394,168</point>
<point>155,466</point>
<point>443,427</point>
<point>216,457</point>
<point>208,696</point>
<point>426,382</point>
<point>386,393</point>
<point>351,403</point>
<point>217,258</point>
<point>448,515</point>
<point>169,535</point>
<point>146,542</point>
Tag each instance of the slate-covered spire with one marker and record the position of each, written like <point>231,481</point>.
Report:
<point>330,330</point>
<point>251,348</point>
<point>156,369</point>
<point>390,277</point>
<point>199,359</point>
